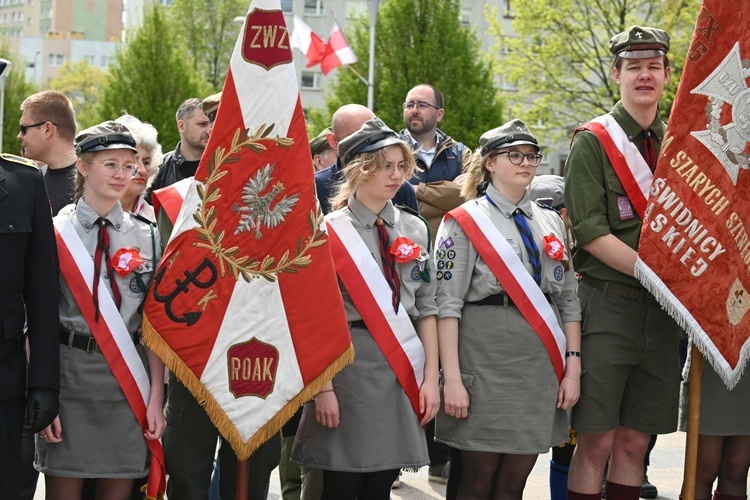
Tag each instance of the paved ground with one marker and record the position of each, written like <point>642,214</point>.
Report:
<point>665,472</point>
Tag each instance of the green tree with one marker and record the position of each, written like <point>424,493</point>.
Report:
<point>209,32</point>
<point>17,88</point>
<point>558,56</point>
<point>81,82</point>
<point>150,78</point>
<point>422,41</point>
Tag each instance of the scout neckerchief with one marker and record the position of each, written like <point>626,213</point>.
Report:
<point>514,278</point>
<point>372,296</point>
<point>632,170</point>
<point>113,338</point>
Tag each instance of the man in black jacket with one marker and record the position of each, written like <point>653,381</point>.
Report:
<point>28,265</point>
<point>194,128</point>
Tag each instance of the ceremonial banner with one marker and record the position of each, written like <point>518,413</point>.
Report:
<point>245,307</point>
<point>694,250</point>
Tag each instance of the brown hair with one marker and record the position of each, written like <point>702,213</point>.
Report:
<point>54,107</point>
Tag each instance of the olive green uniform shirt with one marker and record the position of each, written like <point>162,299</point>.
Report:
<point>596,200</point>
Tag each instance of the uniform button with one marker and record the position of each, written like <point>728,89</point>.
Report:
<point>106,276</point>
<point>368,227</point>
<point>88,225</point>
<point>11,227</point>
<point>117,226</point>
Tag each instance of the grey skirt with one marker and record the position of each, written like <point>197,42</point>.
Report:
<point>378,428</point>
<point>511,383</point>
<point>101,437</point>
<point>723,412</point>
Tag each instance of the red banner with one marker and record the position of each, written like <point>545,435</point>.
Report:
<point>694,252</point>
<point>245,307</point>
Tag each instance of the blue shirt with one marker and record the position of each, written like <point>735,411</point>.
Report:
<point>327,179</point>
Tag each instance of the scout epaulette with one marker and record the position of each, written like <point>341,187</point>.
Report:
<point>18,159</point>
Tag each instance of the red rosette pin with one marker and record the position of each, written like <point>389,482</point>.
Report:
<point>405,249</point>
<point>126,260</point>
<point>554,247</point>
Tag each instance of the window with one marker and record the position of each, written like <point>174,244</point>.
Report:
<point>310,80</point>
<point>55,59</point>
<point>287,5</point>
<point>90,60</point>
<point>355,10</point>
<point>314,7</point>
<point>465,17</point>
<point>508,14</point>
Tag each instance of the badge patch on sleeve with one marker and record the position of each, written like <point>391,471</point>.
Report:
<point>415,273</point>
<point>559,273</point>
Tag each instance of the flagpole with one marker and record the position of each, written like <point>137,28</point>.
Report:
<point>243,478</point>
<point>693,424</point>
<point>373,6</point>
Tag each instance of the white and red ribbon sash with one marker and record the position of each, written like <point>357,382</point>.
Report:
<point>629,165</point>
<point>170,198</point>
<point>113,338</point>
<point>366,284</point>
<point>515,279</point>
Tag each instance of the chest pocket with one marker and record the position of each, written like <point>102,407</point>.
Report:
<point>14,231</point>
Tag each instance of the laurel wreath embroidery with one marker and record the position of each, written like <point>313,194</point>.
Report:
<point>719,134</point>
<point>205,216</point>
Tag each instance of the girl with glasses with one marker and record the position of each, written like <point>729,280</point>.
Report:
<point>509,320</point>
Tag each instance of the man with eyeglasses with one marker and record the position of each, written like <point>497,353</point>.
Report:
<point>441,161</point>
<point>46,131</point>
<point>440,158</point>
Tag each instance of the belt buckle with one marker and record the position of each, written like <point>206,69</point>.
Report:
<point>92,346</point>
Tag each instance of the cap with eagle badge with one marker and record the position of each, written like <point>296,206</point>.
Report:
<point>640,42</point>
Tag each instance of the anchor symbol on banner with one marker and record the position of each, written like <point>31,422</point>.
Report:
<point>183,286</point>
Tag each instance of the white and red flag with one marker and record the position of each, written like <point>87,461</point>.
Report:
<point>338,50</point>
<point>245,307</point>
<point>694,251</point>
<point>307,41</point>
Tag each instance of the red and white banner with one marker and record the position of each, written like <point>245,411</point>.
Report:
<point>630,167</point>
<point>364,280</point>
<point>515,279</point>
<point>113,337</point>
<point>230,310</point>
<point>170,198</point>
<point>308,42</point>
<point>694,251</point>
<point>338,50</point>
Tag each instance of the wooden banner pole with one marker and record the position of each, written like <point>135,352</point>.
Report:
<point>693,424</point>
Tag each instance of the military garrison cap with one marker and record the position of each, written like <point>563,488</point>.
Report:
<point>639,42</point>
<point>211,105</point>
<point>320,142</point>
<point>106,135</point>
<point>513,133</point>
<point>373,135</point>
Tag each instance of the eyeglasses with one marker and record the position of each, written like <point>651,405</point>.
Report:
<point>129,169</point>
<point>418,104</point>
<point>25,128</point>
<point>516,157</point>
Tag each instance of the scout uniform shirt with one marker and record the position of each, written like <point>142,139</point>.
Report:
<point>417,295</point>
<point>596,201</point>
<point>124,231</point>
<point>463,276</point>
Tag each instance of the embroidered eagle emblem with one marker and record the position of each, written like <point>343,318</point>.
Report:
<point>257,211</point>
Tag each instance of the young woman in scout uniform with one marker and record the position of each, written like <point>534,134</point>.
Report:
<point>503,271</point>
<point>366,425</point>
<point>97,433</point>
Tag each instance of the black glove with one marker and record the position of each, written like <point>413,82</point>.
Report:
<point>41,408</point>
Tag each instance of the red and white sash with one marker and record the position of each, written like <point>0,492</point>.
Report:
<point>629,165</point>
<point>366,284</point>
<point>112,335</point>
<point>515,279</point>
<point>170,198</point>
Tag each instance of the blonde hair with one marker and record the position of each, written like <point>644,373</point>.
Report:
<point>477,176</point>
<point>367,165</point>
<point>80,181</point>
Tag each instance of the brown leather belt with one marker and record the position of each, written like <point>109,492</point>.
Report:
<point>618,289</point>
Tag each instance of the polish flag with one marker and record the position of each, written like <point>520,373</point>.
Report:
<point>338,50</point>
<point>308,42</point>
<point>230,309</point>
